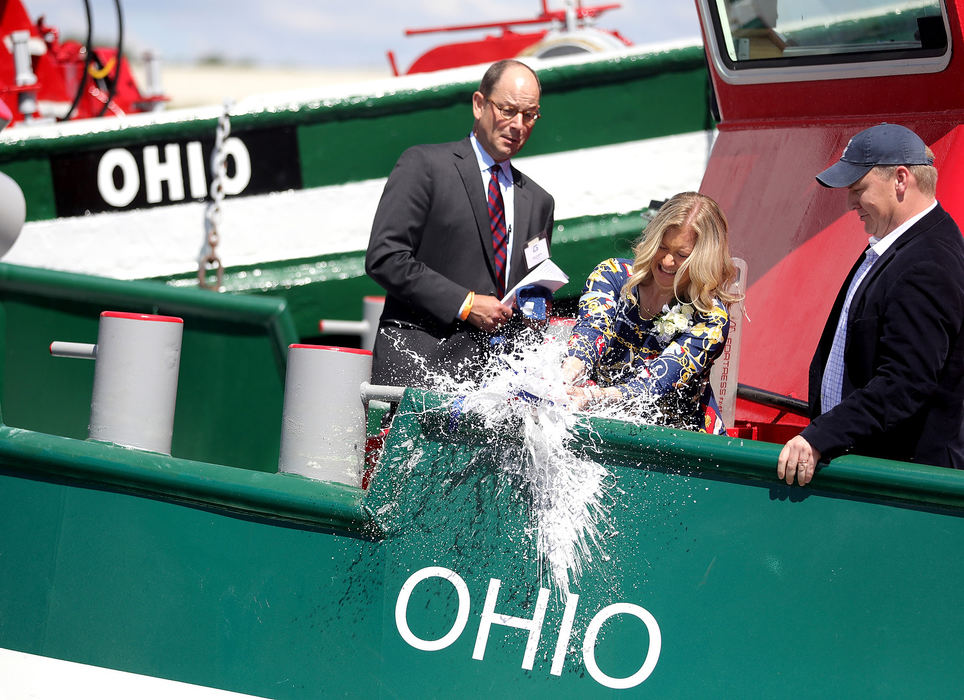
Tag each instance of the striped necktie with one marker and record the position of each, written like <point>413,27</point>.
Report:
<point>500,235</point>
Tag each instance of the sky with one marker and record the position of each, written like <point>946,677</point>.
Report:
<point>329,33</point>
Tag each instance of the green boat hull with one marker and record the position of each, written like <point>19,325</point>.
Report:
<point>724,582</point>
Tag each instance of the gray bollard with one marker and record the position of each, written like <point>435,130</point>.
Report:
<point>323,428</point>
<point>135,378</point>
<point>367,328</point>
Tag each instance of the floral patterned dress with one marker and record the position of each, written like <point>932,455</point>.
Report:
<point>663,362</point>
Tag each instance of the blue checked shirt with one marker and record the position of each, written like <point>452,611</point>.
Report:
<point>832,384</point>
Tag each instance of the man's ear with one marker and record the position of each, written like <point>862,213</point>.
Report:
<point>478,104</point>
<point>902,178</point>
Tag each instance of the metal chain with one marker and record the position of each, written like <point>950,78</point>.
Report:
<point>212,215</point>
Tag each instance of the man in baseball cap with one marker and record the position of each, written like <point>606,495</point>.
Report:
<point>884,144</point>
<point>887,378</point>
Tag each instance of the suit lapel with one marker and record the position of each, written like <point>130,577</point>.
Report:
<point>468,167</point>
<point>522,203</point>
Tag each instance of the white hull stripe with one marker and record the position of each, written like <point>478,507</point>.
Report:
<point>42,678</point>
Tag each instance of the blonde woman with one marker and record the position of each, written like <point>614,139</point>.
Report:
<point>650,328</point>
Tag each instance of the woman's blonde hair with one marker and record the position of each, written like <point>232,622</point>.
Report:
<point>711,270</point>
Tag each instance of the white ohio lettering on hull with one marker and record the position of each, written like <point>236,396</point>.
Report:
<point>234,148</point>
<point>130,180</point>
<point>195,170</point>
<point>534,627</point>
<point>401,608</point>
<point>157,171</point>
<point>169,169</point>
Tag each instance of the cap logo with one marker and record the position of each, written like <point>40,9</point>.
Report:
<point>847,149</point>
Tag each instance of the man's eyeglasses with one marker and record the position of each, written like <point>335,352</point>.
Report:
<point>510,112</point>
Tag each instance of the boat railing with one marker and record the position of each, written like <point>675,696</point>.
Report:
<point>232,368</point>
<point>281,497</point>
<point>426,418</point>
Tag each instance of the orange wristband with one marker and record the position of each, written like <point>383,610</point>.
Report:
<point>467,306</point>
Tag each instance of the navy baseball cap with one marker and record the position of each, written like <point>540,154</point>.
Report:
<point>884,144</point>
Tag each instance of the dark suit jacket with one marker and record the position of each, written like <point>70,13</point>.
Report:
<point>430,245</point>
<point>903,384</point>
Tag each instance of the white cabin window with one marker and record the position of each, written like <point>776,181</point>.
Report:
<point>784,40</point>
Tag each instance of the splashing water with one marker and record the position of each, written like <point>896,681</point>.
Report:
<point>566,493</point>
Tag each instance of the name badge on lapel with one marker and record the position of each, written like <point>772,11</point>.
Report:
<point>536,250</point>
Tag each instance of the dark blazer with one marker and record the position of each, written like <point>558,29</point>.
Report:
<point>903,384</point>
<point>430,245</point>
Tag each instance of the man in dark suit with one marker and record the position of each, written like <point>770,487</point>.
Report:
<point>457,226</point>
<point>887,379</point>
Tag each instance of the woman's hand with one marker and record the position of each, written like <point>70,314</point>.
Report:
<point>573,371</point>
<point>582,397</point>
